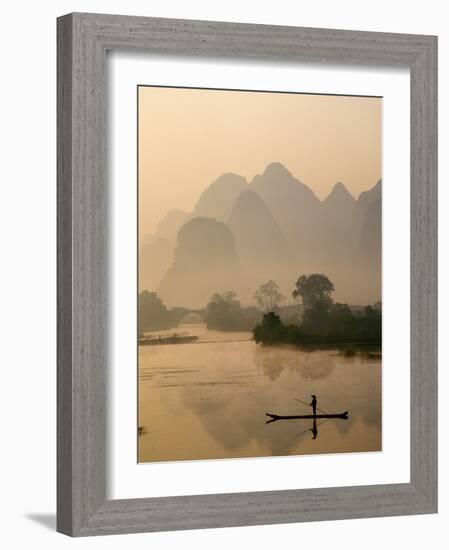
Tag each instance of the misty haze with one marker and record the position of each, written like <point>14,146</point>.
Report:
<point>260,313</point>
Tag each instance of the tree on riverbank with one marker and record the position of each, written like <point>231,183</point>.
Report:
<point>268,296</point>
<point>154,315</point>
<point>315,291</point>
<point>323,321</point>
<point>224,312</point>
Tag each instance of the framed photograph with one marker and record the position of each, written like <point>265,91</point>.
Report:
<point>247,282</point>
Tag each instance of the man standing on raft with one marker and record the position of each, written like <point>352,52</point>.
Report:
<point>313,404</point>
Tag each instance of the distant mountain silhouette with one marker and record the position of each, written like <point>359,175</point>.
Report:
<point>339,201</point>
<point>369,253</point>
<point>337,210</point>
<point>262,248</point>
<point>155,257</point>
<point>156,251</point>
<point>367,229</point>
<point>216,201</point>
<point>294,207</point>
<point>240,235</point>
<point>169,226</point>
<point>365,200</point>
<point>371,195</point>
<point>205,262</point>
<point>370,238</point>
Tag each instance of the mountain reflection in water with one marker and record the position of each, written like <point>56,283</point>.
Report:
<point>208,399</point>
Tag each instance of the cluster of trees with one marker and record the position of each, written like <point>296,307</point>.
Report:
<point>225,312</point>
<point>154,315</point>
<point>323,320</point>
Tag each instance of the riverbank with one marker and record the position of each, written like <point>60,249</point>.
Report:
<point>323,328</point>
<point>195,333</point>
<point>365,350</point>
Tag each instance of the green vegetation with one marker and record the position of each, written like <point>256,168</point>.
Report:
<point>154,315</point>
<point>315,291</point>
<point>318,321</point>
<point>152,312</point>
<point>323,321</point>
<point>224,312</point>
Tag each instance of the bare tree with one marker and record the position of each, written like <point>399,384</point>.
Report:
<point>268,296</point>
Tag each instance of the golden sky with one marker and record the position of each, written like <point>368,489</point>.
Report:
<point>190,137</point>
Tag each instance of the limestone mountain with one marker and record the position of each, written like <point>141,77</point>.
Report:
<point>262,248</point>
<point>169,226</point>
<point>370,196</point>
<point>365,200</point>
<point>216,201</point>
<point>155,258</point>
<point>241,235</point>
<point>294,207</point>
<point>367,225</point>
<point>205,262</point>
<point>339,203</point>
<point>337,210</point>
<point>371,235</point>
<point>156,251</point>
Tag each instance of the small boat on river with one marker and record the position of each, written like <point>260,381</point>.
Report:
<point>172,339</point>
<point>342,416</point>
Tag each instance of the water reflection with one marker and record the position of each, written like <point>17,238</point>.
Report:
<point>208,400</point>
<point>273,361</point>
<point>313,429</point>
<point>315,424</point>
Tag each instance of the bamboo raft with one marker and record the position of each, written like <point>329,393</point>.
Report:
<point>342,416</point>
<point>161,340</point>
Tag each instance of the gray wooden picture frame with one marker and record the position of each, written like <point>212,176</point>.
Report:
<point>83,40</point>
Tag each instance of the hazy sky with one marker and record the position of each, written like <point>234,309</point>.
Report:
<point>188,138</point>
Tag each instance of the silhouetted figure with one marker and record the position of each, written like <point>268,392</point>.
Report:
<point>313,404</point>
<point>314,429</point>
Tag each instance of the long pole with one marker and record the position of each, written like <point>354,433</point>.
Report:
<point>301,401</point>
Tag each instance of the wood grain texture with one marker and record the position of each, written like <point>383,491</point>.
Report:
<point>83,40</point>
<point>64,276</point>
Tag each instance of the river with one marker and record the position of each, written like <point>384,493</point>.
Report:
<point>208,399</point>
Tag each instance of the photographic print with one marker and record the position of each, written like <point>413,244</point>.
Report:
<point>259,274</point>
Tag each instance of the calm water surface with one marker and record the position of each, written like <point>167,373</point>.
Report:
<point>208,399</point>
